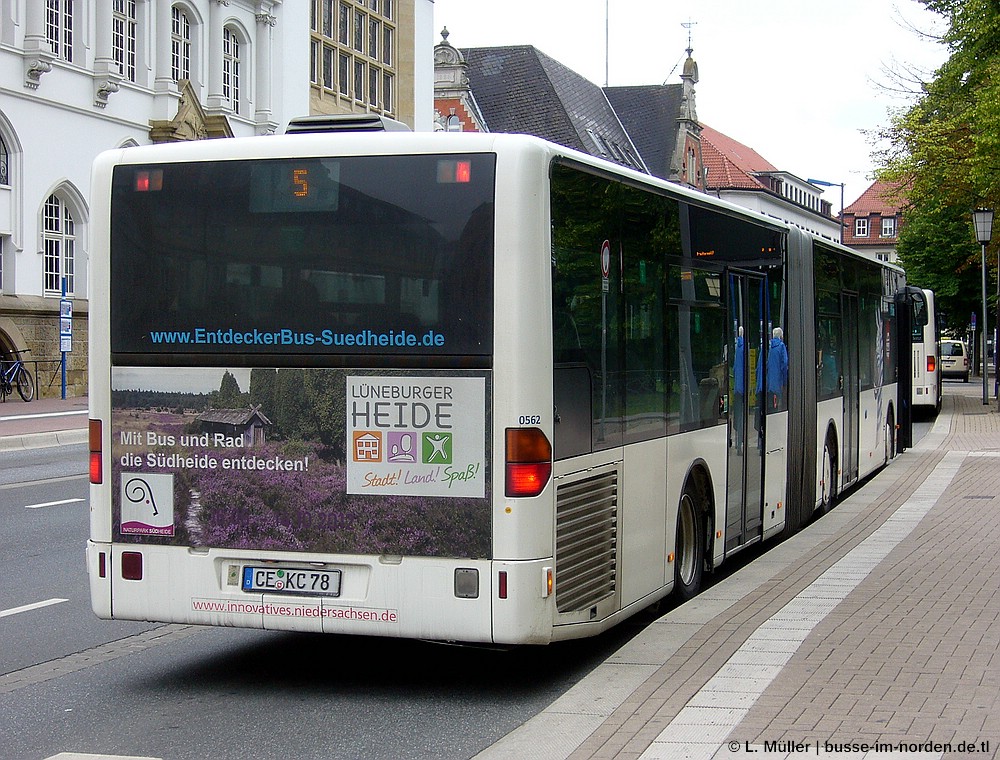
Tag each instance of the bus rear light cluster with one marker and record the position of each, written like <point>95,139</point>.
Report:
<point>528,462</point>
<point>96,452</point>
<point>931,364</point>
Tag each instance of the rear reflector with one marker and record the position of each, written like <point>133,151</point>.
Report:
<point>528,462</point>
<point>96,452</point>
<point>502,584</point>
<point>132,566</point>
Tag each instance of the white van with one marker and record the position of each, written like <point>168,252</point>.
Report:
<point>955,359</point>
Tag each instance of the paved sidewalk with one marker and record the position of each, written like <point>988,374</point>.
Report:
<point>42,422</point>
<point>871,634</point>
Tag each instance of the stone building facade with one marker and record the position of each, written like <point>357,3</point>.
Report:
<point>78,77</point>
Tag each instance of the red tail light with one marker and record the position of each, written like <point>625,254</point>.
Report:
<point>132,566</point>
<point>528,462</point>
<point>96,452</point>
<point>931,363</point>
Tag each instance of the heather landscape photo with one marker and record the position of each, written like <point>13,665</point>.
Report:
<point>266,468</point>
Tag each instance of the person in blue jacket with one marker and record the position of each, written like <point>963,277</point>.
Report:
<point>777,370</point>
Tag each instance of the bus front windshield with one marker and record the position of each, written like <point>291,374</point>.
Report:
<point>355,255</point>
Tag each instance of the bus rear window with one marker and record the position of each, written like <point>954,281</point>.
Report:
<point>358,255</point>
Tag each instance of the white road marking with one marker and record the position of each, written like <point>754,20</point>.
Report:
<point>41,415</point>
<point>52,503</point>
<point>29,607</point>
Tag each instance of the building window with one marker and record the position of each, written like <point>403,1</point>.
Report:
<point>344,24</point>
<point>231,69</point>
<point>352,51</point>
<point>123,37</point>
<point>373,87</point>
<point>180,45</point>
<point>888,226</point>
<point>359,80</point>
<point>861,227</point>
<point>359,31</point>
<point>373,28</point>
<point>328,18</point>
<point>344,74</point>
<point>328,53</point>
<point>387,46</point>
<point>58,243</point>
<point>59,27</point>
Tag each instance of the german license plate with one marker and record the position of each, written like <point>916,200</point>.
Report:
<point>289,580</point>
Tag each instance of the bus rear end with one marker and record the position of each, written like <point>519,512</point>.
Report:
<point>926,381</point>
<point>292,389</point>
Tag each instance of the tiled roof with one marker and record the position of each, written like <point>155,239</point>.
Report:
<point>730,163</point>
<point>649,113</point>
<point>882,198</point>
<point>520,89</point>
<point>233,416</point>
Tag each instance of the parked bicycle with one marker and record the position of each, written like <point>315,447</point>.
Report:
<point>14,373</point>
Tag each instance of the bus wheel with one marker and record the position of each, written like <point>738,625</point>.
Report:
<point>890,437</point>
<point>828,486</point>
<point>689,551</point>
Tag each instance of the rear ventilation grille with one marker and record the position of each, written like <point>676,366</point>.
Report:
<point>586,541</point>
<point>345,122</point>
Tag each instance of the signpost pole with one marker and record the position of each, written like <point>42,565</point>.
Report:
<point>65,332</point>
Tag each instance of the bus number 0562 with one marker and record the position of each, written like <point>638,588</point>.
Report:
<point>529,419</point>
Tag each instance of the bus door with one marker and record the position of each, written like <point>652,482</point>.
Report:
<point>746,351</point>
<point>851,388</point>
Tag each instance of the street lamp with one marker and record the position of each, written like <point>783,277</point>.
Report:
<point>824,183</point>
<point>983,219</point>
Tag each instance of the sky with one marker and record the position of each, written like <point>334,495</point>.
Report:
<point>799,81</point>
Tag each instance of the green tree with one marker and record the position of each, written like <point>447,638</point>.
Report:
<point>945,152</point>
<point>229,395</point>
<point>290,404</point>
<point>262,384</point>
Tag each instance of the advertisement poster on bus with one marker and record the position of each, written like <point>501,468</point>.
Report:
<point>319,460</point>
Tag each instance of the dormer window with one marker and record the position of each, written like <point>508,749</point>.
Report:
<point>861,227</point>
<point>888,226</point>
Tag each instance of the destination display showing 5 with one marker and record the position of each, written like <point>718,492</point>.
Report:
<point>284,580</point>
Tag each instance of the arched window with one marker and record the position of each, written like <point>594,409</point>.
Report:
<point>231,69</point>
<point>180,44</point>
<point>58,246</point>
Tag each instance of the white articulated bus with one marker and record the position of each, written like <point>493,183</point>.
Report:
<point>465,387</point>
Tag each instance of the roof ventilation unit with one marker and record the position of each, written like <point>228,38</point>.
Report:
<point>344,122</point>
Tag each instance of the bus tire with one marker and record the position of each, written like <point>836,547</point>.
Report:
<point>828,475</point>
<point>890,437</point>
<point>689,550</point>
